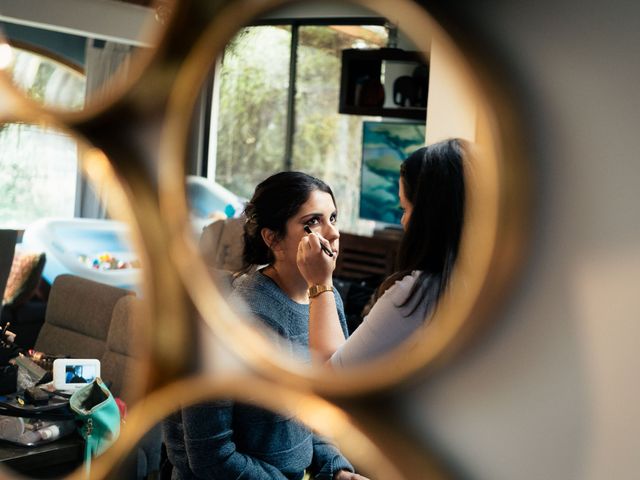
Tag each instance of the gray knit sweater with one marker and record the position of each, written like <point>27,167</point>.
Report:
<point>222,440</point>
<point>288,319</point>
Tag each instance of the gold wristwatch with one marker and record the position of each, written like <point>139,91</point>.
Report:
<point>316,290</point>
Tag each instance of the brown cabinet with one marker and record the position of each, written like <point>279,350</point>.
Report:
<point>366,257</point>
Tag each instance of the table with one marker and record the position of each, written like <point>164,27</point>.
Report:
<point>50,460</point>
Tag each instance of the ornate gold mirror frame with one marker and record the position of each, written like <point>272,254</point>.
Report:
<point>138,145</point>
<point>494,226</point>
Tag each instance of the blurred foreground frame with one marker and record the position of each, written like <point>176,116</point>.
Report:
<point>143,126</point>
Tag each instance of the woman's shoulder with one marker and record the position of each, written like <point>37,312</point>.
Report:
<point>253,287</point>
<point>404,284</point>
<point>254,282</point>
<point>403,288</point>
<point>261,293</point>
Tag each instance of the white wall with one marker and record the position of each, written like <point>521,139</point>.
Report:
<point>451,106</point>
<point>552,391</point>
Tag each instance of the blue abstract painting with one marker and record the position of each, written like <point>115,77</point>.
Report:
<point>385,145</point>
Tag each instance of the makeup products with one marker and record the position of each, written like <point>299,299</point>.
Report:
<point>307,229</point>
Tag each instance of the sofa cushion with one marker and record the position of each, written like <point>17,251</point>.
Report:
<point>24,277</point>
<point>7,249</point>
<point>222,242</point>
<point>118,361</point>
<point>121,337</point>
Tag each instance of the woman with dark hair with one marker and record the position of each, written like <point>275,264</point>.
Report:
<point>227,440</point>
<point>432,196</point>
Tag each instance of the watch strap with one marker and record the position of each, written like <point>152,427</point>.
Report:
<point>316,290</point>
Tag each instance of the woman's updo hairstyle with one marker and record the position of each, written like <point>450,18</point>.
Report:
<point>274,202</point>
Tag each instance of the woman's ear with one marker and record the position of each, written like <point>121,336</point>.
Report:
<point>269,237</point>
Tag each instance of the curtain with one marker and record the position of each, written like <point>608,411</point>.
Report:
<point>106,67</point>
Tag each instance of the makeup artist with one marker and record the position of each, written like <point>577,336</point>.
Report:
<point>432,197</point>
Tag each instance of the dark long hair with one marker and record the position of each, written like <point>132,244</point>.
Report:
<point>433,181</point>
<point>274,202</point>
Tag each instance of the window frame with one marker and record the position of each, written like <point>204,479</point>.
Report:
<point>211,96</point>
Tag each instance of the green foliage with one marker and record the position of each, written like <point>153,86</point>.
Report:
<point>15,185</point>
<point>253,95</point>
<point>37,173</point>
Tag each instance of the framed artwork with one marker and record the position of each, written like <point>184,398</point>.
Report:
<point>385,145</point>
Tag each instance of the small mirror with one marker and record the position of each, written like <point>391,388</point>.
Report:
<point>68,60</point>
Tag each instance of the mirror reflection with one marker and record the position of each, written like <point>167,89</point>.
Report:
<point>67,61</point>
<point>321,123</point>
<point>291,245</point>
<point>71,304</point>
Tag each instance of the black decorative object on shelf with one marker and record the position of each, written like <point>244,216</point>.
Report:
<point>362,91</point>
<point>411,91</point>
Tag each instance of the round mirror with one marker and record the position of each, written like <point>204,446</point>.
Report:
<point>418,240</point>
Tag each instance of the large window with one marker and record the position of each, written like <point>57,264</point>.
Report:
<point>254,85</point>
<point>38,171</point>
<point>327,144</point>
<point>38,167</point>
<point>277,114</point>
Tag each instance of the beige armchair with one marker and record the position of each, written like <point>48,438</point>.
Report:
<point>221,244</point>
<point>86,319</point>
<point>78,317</point>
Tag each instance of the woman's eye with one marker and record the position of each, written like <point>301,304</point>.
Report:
<point>312,221</point>
<point>333,218</point>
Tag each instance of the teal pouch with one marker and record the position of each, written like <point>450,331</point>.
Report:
<point>98,417</point>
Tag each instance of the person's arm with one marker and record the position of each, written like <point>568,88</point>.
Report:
<point>210,448</point>
<point>325,330</point>
<point>384,328</point>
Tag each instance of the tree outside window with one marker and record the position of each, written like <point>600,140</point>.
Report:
<point>253,108</point>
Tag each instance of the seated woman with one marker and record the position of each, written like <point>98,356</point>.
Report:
<point>226,440</point>
<point>276,217</point>
<point>432,195</point>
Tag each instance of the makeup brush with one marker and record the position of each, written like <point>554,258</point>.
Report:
<point>307,229</point>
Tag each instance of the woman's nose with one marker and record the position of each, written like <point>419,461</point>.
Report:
<point>331,232</point>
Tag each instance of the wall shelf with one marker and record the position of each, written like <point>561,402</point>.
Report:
<point>363,91</point>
